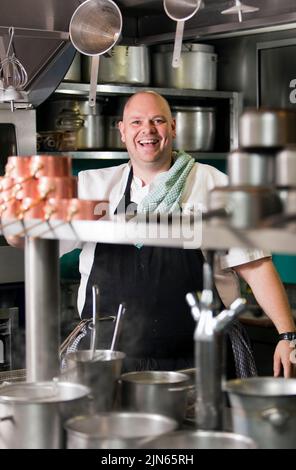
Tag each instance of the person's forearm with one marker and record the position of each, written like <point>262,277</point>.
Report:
<point>269,292</point>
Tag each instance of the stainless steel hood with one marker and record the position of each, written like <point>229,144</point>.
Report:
<point>41,42</point>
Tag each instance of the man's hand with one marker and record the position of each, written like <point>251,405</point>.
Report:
<point>284,357</point>
<point>17,242</point>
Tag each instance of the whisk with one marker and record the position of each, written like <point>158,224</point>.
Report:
<point>12,72</point>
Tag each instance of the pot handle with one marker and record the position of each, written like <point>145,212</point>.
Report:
<point>180,389</point>
<point>275,417</point>
<point>7,418</point>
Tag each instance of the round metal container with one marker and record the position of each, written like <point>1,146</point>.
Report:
<point>286,167</point>
<point>113,138</point>
<point>100,374</point>
<point>247,206</point>
<point>197,70</point>
<point>267,128</point>
<point>32,414</point>
<point>161,392</point>
<point>115,430</point>
<point>252,169</point>
<point>123,64</point>
<point>201,440</point>
<point>264,408</point>
<point>195,128</point>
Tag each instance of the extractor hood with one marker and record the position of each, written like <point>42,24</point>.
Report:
<point>41,42</point>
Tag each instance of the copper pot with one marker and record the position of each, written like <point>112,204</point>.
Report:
<point>31,208</point>
<point>6,187</point>
<point>10,210</point>
<point>75,209</point>
<point>17,167</point>
<point>49,165</point>
<point>58,187</point>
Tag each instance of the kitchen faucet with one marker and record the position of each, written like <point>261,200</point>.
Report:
<point>209,349</point>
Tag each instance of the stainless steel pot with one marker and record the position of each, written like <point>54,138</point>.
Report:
<point>195,128</point>
<point>201,440</point>
<point>267,128</point>
<point>32,414</point>
<point>100,374</point>
<point>115,430</point>
<point>76,115</point>
<point>112,136</point>
<point>286,167</point>
<point>254,169</point>
<point>123,64</point>
<point>159,392</point>
<point>245,206</point>
<point>197,69</point>
<point>264,408</point>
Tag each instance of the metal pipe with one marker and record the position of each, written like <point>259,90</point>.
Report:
<point>42,308</point>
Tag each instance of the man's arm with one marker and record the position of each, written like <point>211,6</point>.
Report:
<point>270,294</point>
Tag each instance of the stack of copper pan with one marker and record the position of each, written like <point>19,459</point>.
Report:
<point>42,187</point>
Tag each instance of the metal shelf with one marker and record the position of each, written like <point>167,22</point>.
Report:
<point>191,233</point>
<point>121,155</point>
<point>82,89</point>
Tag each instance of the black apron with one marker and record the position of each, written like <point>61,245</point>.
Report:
<point>158,327</point>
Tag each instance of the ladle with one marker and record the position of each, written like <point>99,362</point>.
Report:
<point>95,27</point>
<point>95,302</point>
<point>180,11</point>
<point>118,325</point>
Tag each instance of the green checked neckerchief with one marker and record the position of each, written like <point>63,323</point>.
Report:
<point>165,198</point>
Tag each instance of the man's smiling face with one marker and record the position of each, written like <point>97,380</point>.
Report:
<point>148,128</point>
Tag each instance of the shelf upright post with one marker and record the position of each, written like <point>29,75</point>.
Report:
<point>42,308</point>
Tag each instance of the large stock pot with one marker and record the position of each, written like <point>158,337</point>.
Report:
<point>197,70</point>
<point>32,414</point>
<point>123,64</point>
<point>264,408</point>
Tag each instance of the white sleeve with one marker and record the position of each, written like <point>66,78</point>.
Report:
<point>238,256</point>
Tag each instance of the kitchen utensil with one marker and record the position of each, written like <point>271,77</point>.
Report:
<point>180,11</point>
<point>267,128</point>
<point>197,70</point>
<point>163,392</point>
<point>239,8</point>
<point>263,408</point>
<point>196,128</point>
<point>246,206</point>
<point>123,64</point>
<point>12,73</point>
<point>100,374</point>
<point>95,28</point>
<point>115,430</point>
<point>285,174</point>
<point>32,414</point>
<point>118,326</point>
<point>95,307</point>
<point>251,168</point>
<point>201,440</point>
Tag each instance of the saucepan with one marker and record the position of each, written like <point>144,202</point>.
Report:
<point>162,392</point>
<point>95,27</point>
<point>38,165</point>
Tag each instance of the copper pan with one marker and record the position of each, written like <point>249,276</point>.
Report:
<point>57,187</point>
<point>50,166</point>
<point>76,209</point>
<point>6,186</point>
<point>18,167</point>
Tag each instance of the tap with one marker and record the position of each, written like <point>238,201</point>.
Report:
<point>209,353</point>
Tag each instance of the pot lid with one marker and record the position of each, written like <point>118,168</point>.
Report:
<point>42,392</point>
